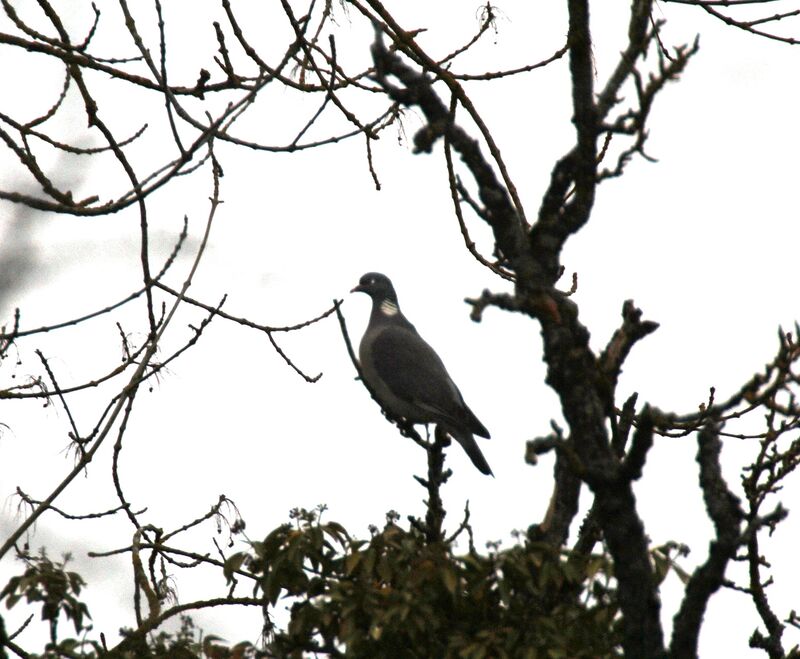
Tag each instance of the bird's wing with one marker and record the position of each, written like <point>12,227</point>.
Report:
<point>413,372</point>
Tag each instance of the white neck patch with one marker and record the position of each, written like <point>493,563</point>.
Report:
<point>389,308</point>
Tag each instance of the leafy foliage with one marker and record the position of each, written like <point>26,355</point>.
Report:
<point>397,595</point>
<point>48,583</point>
<point>188,642</point>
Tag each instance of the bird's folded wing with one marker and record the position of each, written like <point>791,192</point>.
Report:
<point>413,371</point>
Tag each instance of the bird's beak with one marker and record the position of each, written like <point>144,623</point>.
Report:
<point>357,289</point>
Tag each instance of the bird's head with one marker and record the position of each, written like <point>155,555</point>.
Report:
<point>377,286</point>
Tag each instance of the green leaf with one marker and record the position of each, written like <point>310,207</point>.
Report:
<point>450,580</point>
<point>351,562</point>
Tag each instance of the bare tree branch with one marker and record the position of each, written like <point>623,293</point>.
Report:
<point>726,513</point>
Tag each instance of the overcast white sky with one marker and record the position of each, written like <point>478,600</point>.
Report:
<point>704,241</point>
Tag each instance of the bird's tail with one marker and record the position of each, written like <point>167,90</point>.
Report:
<point>469,445</point>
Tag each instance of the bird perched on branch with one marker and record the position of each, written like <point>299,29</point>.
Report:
<point>407,376</point>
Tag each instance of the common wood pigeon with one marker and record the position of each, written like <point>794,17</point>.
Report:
<point>407,376</point>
